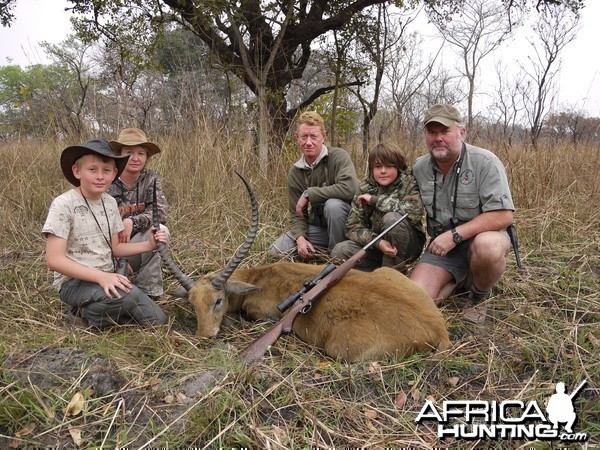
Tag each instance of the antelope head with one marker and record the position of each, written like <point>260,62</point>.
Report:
<point>209,296</point>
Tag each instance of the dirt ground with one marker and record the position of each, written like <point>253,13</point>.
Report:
<point>62,372</point>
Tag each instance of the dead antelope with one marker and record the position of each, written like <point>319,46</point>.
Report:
<point>363,317</point>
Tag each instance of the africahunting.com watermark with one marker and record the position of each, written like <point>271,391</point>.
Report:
<point>510,419</point>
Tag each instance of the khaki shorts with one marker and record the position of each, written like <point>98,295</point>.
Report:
<point>457,261</point>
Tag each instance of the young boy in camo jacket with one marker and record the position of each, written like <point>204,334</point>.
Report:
<point>389,192</point>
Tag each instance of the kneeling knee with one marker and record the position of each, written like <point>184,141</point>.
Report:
<point>489,246</point>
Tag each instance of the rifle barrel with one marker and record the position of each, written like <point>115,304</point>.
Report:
<point>384,232</point>
<point>577,389</point>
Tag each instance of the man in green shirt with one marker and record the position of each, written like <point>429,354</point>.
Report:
<point>321,185</point>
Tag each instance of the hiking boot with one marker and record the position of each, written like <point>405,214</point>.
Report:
<point>475,310</point>
<point>75,320</point>
<point>474,313</point>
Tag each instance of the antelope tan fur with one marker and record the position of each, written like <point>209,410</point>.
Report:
<point>363,317</point>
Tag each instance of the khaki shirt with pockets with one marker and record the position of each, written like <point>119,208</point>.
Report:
<point>482,186</point>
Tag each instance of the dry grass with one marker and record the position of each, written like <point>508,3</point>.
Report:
<point>168,388</point>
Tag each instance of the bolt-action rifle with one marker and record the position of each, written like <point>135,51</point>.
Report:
<point>304,303</point>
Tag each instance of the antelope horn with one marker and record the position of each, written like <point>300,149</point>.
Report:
<point>185,281</point>
<point>243,250</point>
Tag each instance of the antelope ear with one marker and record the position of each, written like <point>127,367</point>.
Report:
<point>240,288</point>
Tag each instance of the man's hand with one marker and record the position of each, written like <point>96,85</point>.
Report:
<point>302,203</point>
<point>442,244</point>
<point>304,247</point>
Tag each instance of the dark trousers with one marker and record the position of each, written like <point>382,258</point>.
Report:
<point>89,301</point>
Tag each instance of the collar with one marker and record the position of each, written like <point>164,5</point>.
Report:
<point>140,177</point>
<point>302,164</point>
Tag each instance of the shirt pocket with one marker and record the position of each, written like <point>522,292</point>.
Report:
<point>467,206</point>
<point>427,199</point>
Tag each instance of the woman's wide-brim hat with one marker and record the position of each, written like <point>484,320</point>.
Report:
<point>134,136</point>
<point>94,146</point>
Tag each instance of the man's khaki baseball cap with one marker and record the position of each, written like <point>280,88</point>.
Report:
<point>447,115</point>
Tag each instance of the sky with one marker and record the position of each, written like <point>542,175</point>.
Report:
<point>579,82</point>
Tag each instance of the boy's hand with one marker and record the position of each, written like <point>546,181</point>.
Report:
<point>387,248</point>
<point>110,282</point>
<point>364,199</point>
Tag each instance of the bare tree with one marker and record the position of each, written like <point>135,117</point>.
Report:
<point>342,43</point>
<point>507,106</point>
<point>407,73</point>
<point>384,35</point>
<point>553,31</point>
<point>475,32</point>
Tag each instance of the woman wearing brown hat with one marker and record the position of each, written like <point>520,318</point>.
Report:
<point>134,192</point>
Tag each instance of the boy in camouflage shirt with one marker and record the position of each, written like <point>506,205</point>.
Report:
<point>389,192</point>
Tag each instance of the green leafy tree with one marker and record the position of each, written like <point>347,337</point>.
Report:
<point>267,44</point>
<point>72,99</point>
<point>38,100</point>
<point>13,98</point>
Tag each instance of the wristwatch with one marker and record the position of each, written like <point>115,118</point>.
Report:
<point>456,237</point>
<point>305,194</point>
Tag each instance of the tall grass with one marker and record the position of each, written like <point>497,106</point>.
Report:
<point>168,388</point>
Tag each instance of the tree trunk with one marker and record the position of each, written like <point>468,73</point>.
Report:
<point>264,128</point>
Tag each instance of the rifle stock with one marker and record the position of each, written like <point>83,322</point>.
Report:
<point>284,325</point>
<point>260,346</point>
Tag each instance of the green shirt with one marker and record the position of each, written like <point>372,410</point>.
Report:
<point>334,176</point>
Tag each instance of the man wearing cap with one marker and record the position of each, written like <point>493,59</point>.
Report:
<point>82,242</point>
<point>134,192</point>
<point>469,206</point>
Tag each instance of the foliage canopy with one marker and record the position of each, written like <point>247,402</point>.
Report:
<point>266,44</point>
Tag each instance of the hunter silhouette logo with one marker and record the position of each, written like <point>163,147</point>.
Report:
<point>560,407</point>
<point>510,419</point>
